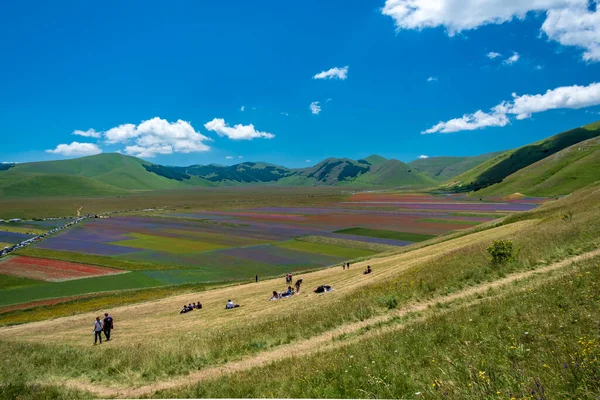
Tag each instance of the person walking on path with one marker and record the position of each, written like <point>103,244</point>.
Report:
<point>98,330</point>
<point>108,325</point>
<point>256,278</point>
<point>298,283</point>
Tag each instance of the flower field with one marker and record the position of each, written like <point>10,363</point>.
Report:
<point>51,270</point>
<point>198,246</point>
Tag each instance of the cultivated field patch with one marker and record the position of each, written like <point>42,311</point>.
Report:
<point>51,270</point>
<point>166,244</point>
<point>331,250</point>
<point>412,237</point>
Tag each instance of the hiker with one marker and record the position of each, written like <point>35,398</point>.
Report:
<point>275,295</point>
<point>108,325</point>
<point>257,278</point>
<point>297,285</point>
<point>199,306</point>
<point>368,270</point>
<point>230,305</point>
<point>183,310</point>
<point>288,279</point>
<point>344,266</point>
<point>194,306</point>
<point>98,330</point>
<point>348,265</point>
<point>288,292</point>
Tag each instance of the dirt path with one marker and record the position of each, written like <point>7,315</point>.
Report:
<point>316,343</point>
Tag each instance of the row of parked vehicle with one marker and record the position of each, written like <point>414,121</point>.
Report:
<point>10,249</point>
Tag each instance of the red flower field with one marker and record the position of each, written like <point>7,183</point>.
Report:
<point>51,270</point>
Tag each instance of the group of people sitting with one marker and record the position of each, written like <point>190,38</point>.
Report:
<point>190,307</point>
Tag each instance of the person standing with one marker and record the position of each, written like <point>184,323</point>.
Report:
<point>98,330</point>
<point>298,283</point>
<point>108,325</point>
<point>256,278</point>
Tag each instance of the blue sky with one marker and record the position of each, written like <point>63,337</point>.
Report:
<point>110,66</point>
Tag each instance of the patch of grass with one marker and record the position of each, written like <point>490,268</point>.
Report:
<point>21,229</point>
<point>448,221</point>
<point>50,290</point>
<point>91,259</point>
<point>537,343</point>
<point>355,244</point>
<point>382,234</point>
<point>472,214</point>
<point>167,244</point>
<point>327,249</point>
<point>10,282</point>
<point>99,302</point>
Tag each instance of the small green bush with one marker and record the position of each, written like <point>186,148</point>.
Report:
<point>501,252</point>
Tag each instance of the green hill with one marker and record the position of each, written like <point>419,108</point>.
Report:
<point>103,174</point>
<point>562,173</point>
<point>395,173</point>
<point>496,169</point>
<point>444,168</point>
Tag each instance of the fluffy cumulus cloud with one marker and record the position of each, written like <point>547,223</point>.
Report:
<point>512,59</point>
<point>229,157</point>
<point>76,149</point>
<point>242,108</point>
<point>569,22</point>
<point>423,156</point>
<point>237,132</point>
<point>432,79</point>
<point>492,54</point>
<point>333,73</point>
<point>315,108</point>
<point>89,133</point>
<point>522,107</point>
<point>157,136</point>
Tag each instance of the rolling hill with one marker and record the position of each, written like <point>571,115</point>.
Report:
<point>559,174</point>
<point>497,168</point>
<point>444,168</point>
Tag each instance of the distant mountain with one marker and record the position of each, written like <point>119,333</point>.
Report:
<point>103,174</point>
<point>561,173</point>
<point>497,168</point>
<point>444,168</point>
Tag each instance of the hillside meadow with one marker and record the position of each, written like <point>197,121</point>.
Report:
<point>436,352</point>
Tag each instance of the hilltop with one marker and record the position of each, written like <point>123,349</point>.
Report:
<point>497,168</point>
<point>444,168</point>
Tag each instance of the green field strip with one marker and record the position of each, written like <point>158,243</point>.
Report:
<point>104,261</point>
<point>11,282</point>
<point>23,230</point>
<point>482,215</point>
<point>220,239</point>
<point>448,221</point>
<point>382,234</point>
<point>325,249</point>
<point>354,244</point>
<point>166,244</point>
<point>51,290</point>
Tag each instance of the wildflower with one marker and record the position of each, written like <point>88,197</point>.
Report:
<point>417,393</point>
<point>372,362</point>
<point>497,392</point>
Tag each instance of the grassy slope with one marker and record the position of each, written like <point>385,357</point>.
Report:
<point>498,168</point>
<point>103,174</point>
<point>394,173</point>
<point>397,281</point>
<point>444,168</point>
<point>559,174</point>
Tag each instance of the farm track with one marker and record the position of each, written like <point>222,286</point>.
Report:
<point>333,339</point>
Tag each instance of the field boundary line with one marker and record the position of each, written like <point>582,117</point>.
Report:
<point>316,343</point>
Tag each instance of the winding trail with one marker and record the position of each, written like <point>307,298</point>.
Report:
<point>321,342</point>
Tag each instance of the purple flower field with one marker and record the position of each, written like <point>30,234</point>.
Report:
<point>13,238</point>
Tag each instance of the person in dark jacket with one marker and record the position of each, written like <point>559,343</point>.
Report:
<point>108,325</point>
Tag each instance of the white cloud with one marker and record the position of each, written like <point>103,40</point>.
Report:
<point>423,156</point>
<point>237,132</point>
<point>240,156</point>
<point>157,136</point>
<point>538,67</point>
<point>333,73</point>
<point>469,122</point>
<point>492,54</point>
<point>315,108</point>
<point>522,107</point>
<point>89,133</point>
<point>432,79</point>
<point>242,108</point>
<point>576,26</point>
<point>229,157</point>
<point>76,149</point>
<point>328,100</point>
<point>285,113</point>
<point>512,59</point>
<point>149,151</point>
<point>569,22</point>
<point>307,161</point>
